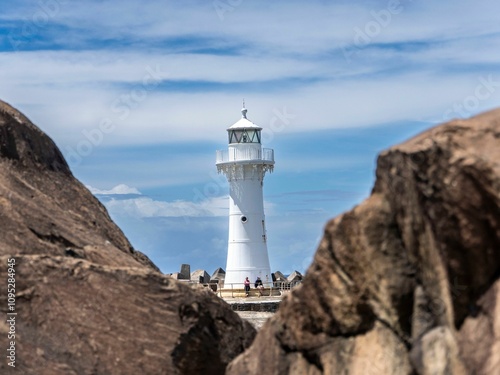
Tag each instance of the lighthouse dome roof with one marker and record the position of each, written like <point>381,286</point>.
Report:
<point>244,123</point>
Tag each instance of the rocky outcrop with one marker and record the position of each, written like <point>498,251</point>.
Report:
<point>86,301</point>
<point>408,281</point>
<point>44,209</point>
<point>77,317</point>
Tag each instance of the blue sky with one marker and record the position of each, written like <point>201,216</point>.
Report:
<point>138,96</point>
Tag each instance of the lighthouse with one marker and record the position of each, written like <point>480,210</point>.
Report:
<point>245,163</point>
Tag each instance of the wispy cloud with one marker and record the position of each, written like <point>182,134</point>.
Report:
<point>121,189</point>
<point>146,207</point>
<point>86,58</point>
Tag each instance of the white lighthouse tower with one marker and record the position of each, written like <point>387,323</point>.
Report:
<point>245,164</point>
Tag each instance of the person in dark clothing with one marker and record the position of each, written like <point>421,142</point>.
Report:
<point>259,286</point>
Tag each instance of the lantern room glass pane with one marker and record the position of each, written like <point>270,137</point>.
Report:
<point>244,136</point>
<point>237,135</point>
<point>250,135</point>
<point>254,136</point>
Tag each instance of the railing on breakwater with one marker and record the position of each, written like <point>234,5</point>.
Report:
<point>286,286</point>
<point>270,289</point>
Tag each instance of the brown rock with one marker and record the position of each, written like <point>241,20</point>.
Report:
<point>396,284</point>
<point>436,352</point>
<point>44,209</point>
<point>76,317</point>
<point>86,301</point>
<point>479,336</point>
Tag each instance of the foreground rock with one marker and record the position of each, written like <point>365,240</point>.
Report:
<point>44,209</point>
<point>86,301</point>
<point>408,281</point>
<point>76,317</point>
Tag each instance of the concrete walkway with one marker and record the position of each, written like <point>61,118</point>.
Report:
<point>264,304</point>
<point>256,310</point>
<point>263,299</point>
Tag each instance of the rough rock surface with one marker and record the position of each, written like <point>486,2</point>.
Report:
<point>86,301</point>
<point>44,209</point>
<point>408,281</point>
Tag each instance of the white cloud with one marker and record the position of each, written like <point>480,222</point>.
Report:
<point>277,44</point>
<point>278,26</point>
<point>145,207</point>
<point>117,190</point>
<point>186,117</point>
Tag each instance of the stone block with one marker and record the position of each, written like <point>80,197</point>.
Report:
<point>185,273</point>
